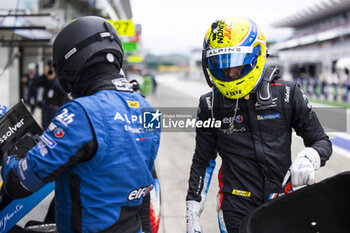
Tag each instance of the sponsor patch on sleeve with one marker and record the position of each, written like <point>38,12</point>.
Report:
<point>42,148</point>
<point>48,141</point>
<point>133,104</point>
<point>57,132</point>
<point>65,117</point>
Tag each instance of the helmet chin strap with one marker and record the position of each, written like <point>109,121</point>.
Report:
<point>212,102</point>
<point>236,108</point>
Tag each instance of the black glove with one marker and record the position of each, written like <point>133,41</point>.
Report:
<point>23,145</point>
<point>135,85</point>
<point>4,199</point>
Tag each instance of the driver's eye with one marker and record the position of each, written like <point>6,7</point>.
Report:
<point>232,73</point>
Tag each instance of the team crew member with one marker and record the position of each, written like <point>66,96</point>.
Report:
<point>95,148</point>
<point>258,113</point>
<point>150,208</point>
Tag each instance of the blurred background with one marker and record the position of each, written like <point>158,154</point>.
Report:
<point>308,39</point>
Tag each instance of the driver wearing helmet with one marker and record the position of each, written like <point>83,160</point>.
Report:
<point>258,113</point>
<point>95,148</point>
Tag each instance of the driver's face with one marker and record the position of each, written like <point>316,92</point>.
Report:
<point>232,73</point>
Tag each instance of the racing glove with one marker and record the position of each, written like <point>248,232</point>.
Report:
<point>302,170</point>
<point>136,87</point>
<point>193,213</point>
<point>22,146</point>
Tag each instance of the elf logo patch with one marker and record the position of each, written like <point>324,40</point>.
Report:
<point>139,193</point>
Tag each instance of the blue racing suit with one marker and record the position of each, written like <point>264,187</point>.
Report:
<point>99,186</point>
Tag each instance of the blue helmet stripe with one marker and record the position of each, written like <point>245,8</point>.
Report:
<point>252,35</point>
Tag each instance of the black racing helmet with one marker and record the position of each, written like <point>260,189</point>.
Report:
<point>79,43</point>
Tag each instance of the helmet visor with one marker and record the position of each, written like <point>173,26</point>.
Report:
<point>220,74</point>
<point>232,56</point>
<point>219,59</point>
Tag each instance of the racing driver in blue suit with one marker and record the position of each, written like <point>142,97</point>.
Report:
<point>96,148</point>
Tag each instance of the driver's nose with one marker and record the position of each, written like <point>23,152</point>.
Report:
<point>232,73</point>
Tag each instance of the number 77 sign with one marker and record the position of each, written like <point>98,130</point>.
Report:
<point>123,27</point>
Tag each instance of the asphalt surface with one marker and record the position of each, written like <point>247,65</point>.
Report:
<point>174,161</point>
<point>173,167</point>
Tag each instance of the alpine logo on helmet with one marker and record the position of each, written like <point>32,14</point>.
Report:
<point>227,50</point>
